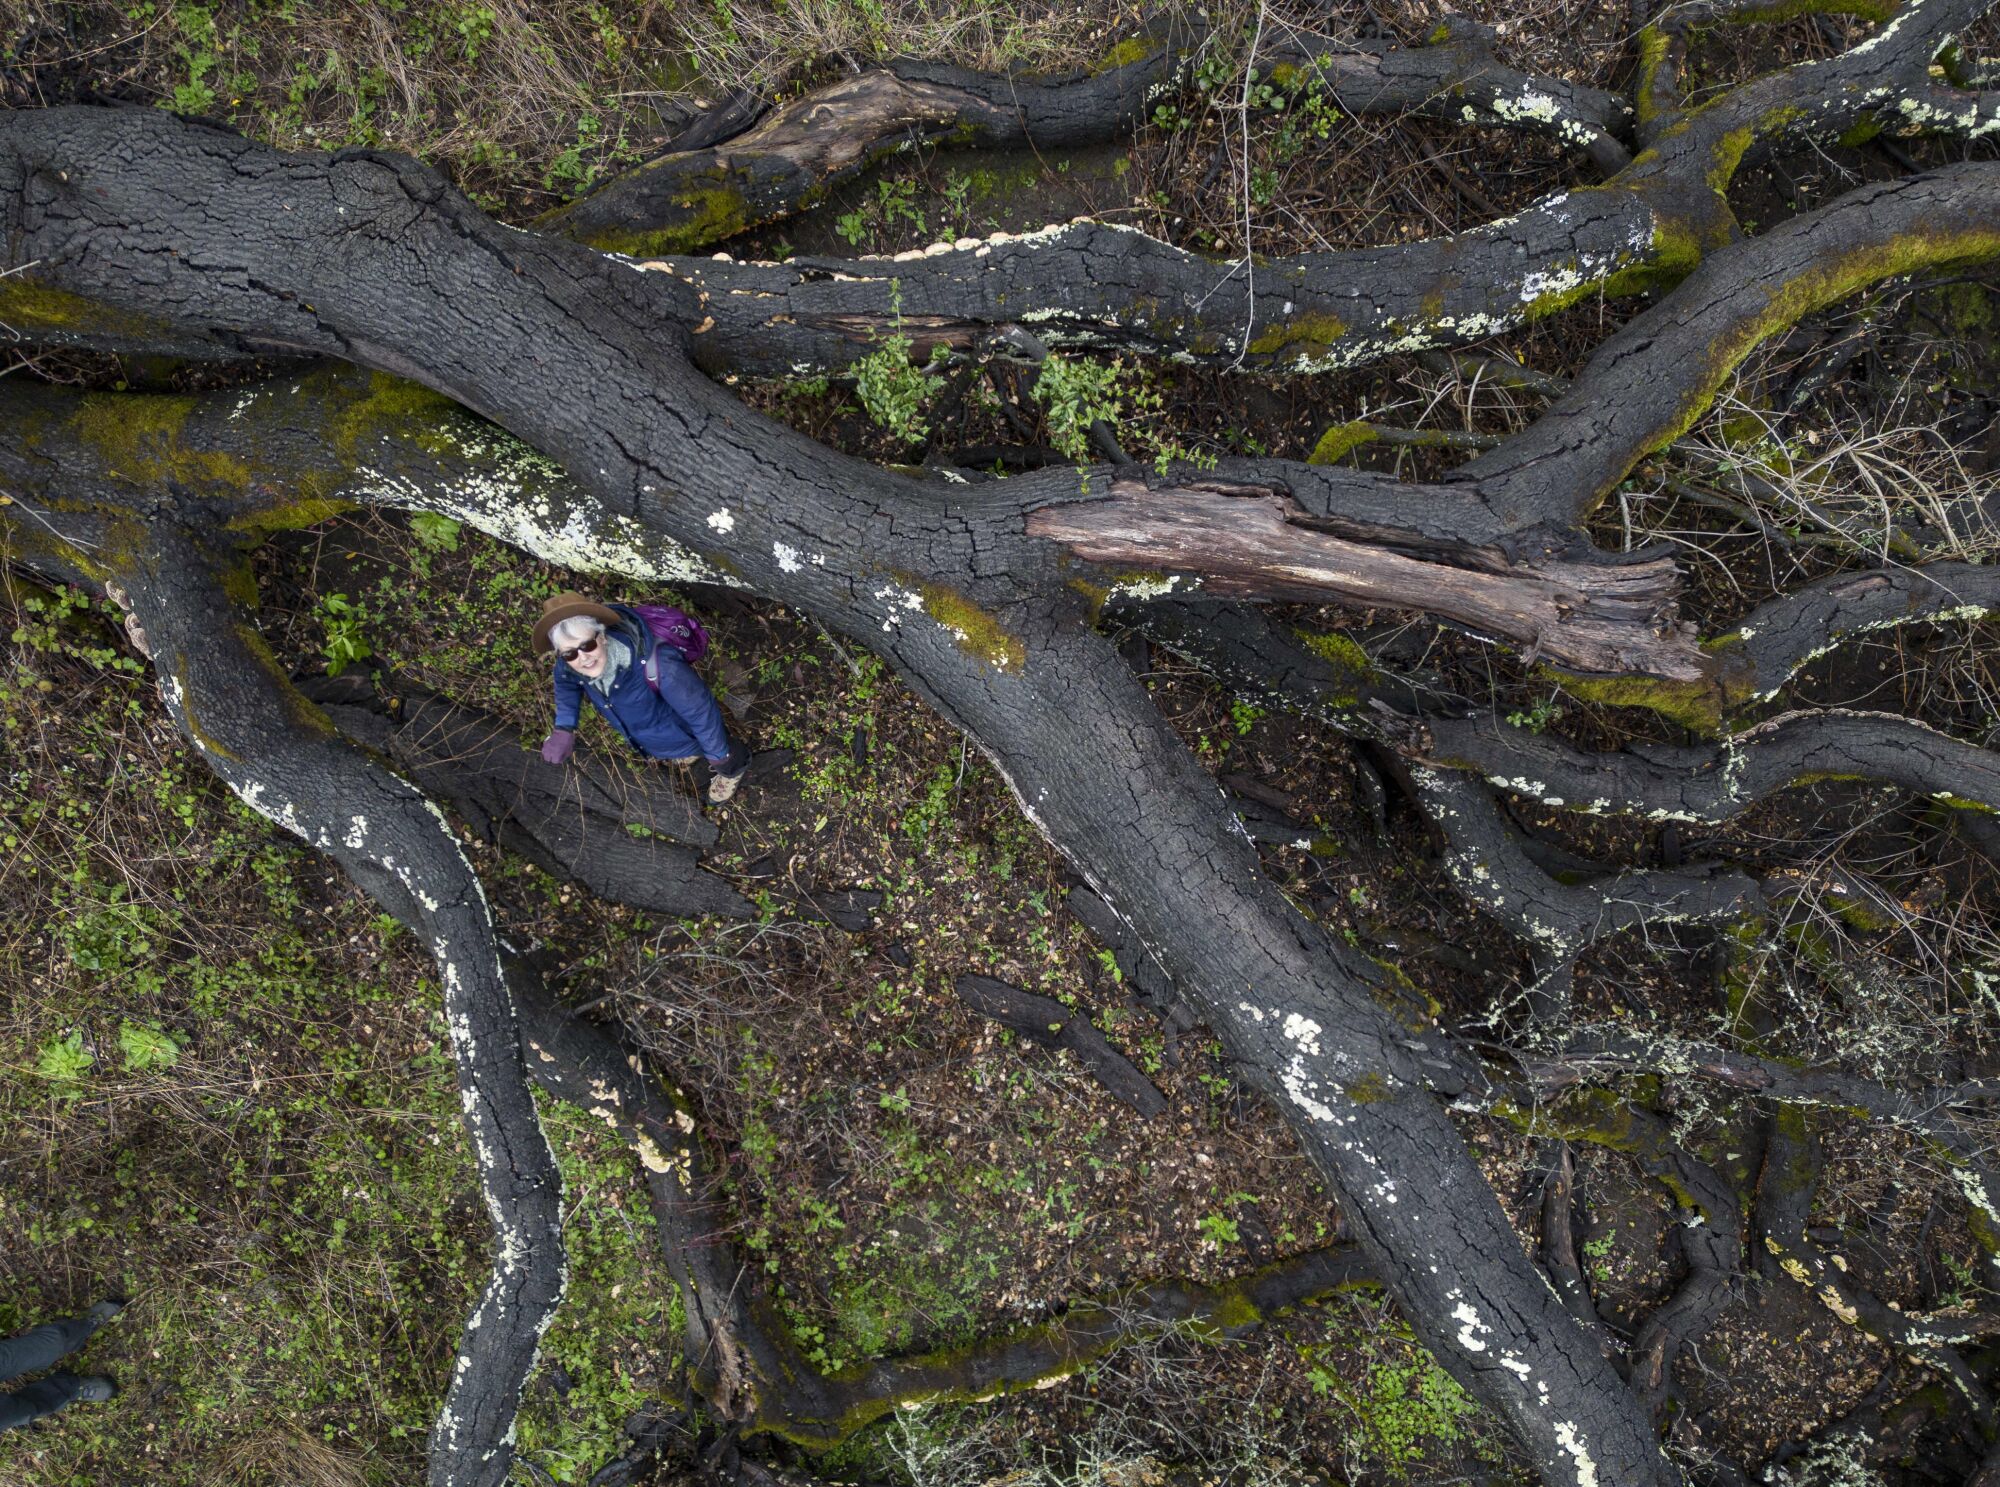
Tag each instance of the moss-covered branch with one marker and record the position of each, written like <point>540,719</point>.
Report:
<point>1648,383</point>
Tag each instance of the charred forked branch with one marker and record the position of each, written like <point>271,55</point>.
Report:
<point>794,155</point>
<point>375,259</point>
<point>1456,76</point>
<point>1645,385</point>
<point>1708,1238</point>
<point>1118,289</point>
<point>1484,857</point>
<point>1871,81</point>
<point>1690,153</point>
<point>1715,782</point>
<point>791,158</point>
<point>281,758</point>
<point>1785,634</point>
<point>1708,783</point>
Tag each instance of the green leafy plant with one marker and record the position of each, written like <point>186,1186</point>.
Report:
<point>957,199</point>
<point>197,49</point>
<point>897,201</point>
<point>572,168</point>
<point>1218,1229</point>
<point>931,812</point>
<point>433,530</point>
<point>1538,717</point>
<point>891,388</point>
<point>475,28</point>
<point>146,1047</point>
<point>344,643</point>
<point>1404,1404</point>
<point>64,1059</point>
<point>1598,1252</point>
<point>108,939</point>
<point>1074,395</point>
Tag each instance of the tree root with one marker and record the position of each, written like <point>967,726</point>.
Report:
<point>1715,783</point>
<point>1924,1112</point>
<point>1708,1234</point>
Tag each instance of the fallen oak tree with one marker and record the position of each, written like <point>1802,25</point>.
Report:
<point>170,216</point>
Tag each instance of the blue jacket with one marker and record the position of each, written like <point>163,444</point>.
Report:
<point>679,720</point>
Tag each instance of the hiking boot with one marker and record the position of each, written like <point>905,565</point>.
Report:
<point>103,1312</point>
<point>722,787</point>
<point>682,758</point>
<point>95,1390</point>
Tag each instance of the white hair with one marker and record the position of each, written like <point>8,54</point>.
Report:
<point>574,631</point>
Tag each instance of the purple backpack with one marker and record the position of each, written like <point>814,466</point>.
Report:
<point>672,627</point>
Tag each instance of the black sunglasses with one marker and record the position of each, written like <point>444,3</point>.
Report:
<point>581,650</point>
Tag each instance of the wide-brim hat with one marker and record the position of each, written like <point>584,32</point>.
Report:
<point>567,606</point>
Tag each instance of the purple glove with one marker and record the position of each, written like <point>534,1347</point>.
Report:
<point>556,747</point>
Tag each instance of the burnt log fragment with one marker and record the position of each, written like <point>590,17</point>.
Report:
<point>1046,1021</point>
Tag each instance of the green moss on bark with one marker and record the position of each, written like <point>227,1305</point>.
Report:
<point>704,215</point>
<point>1786,10</point>
<point>1339,441</point>
<point>1697,704</point>
<point>38,310</point>
<point>394,409</point>
<point>1131,49</point>
<point>977,632</point>
<point>1652,48</point>
<point>1309,329</point>
<point>1817,287</point>
<point>139,439</point>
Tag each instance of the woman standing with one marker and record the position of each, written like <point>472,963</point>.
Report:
<point>608,655</point>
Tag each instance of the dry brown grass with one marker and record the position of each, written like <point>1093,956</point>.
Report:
<point>766,43</point>
<point>285,1457</point>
